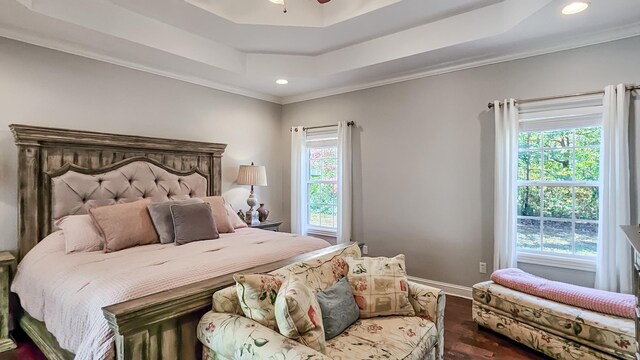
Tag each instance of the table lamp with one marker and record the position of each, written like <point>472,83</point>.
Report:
<point>254,175</point>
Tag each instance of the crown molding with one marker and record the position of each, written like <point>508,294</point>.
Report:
<point>593,39</point>
<point>469,63</point>
<point>68,48</point>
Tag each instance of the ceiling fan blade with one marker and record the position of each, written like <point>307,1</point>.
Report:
<point>323,1</point>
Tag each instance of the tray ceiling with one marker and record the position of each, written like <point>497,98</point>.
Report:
<point>302,13</point>
<point>244,46</point>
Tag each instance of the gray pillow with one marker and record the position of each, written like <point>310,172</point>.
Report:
<point>193,222</point>
<point>161,217</point>
<point>339,308</point>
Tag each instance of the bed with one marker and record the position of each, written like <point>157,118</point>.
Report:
<point>150,309</point>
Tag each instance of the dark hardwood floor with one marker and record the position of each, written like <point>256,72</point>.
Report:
<point>463,339</point>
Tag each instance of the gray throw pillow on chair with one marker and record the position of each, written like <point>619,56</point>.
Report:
<point>161,217</point>
<point>193,222</point>
<point>339,308</point>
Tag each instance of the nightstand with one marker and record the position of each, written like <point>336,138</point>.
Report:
<point>268,225</point>
<point>7,261</point>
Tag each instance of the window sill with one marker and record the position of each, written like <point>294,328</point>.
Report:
<point>557,261</point>
<point>322,232</point>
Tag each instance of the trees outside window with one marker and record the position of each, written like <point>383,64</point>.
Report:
<point>558,191</point>
<point>322,186</point>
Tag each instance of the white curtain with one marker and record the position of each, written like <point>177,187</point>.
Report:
<point>298,181</point>
<point>505,200</point>
<point>613,268</point>
<point>344,183</point>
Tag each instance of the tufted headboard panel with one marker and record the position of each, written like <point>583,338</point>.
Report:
<point>75,190</point>
<point>62,172</point>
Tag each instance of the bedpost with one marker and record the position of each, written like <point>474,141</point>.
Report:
<point>216,175</point>
<point>29,179</point>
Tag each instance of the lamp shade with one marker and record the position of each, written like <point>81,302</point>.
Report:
<point>252,175</point>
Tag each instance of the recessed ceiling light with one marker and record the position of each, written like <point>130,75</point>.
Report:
<point>279,2</point>
<point>282,82</point>
<point>575,7</point>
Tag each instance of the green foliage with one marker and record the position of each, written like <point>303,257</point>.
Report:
<point>565,152</point>
<point>559,156</point>
<point>587,164</point>
<point>588,136</point>
<point>528,140</point>
<point>558,165</point>
<point>529,201</point>
<point>586,206</point>
<point>558,202</point>
<point>323,199</point>
<point>323,194</point>
<point>323,191</point>
<point>529,165</point>
<point>558,139</point>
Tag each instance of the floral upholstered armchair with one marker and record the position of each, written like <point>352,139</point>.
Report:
<point>226,334</point>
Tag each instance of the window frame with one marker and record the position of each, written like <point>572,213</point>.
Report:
<point>330,141</point>
<point>540,257</point>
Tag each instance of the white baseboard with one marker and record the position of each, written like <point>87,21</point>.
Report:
<point>449,289</point>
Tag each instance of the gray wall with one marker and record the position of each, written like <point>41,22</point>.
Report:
<point>423,155</point>
<point>425,147</point>
<point>49,88</point>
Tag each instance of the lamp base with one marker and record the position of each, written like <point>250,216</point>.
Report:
<point>252,217</point>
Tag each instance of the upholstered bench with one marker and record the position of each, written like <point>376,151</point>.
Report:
<point>227,334</point>
<point>557,330</point>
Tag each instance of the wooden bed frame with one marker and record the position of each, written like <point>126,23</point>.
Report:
<point>157,326</point>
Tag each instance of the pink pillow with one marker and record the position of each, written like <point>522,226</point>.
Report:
<point>220,217</point>
<point>601,301</point>
<point>80,234</point>
<point>235,220</point>
<point>125,225</point>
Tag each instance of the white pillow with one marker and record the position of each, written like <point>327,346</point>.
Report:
<point>236,222</point>
<point>80,234</point>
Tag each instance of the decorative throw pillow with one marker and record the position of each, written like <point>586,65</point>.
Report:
<point>161,216</point>
<point>339,309</point>
<point>80,234</point>
<point>235,220</point>
<point>193,222</point>
<point>125,225</point>
<point>380,286</point>
<point>223,224</point>
<point>298,314</point>
<point>257,294</point>
<point>322,273</point>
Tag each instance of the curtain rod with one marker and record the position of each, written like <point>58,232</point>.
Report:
<point>350,123</point>
<point>629,88</point>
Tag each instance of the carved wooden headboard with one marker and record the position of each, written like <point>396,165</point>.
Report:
<point>48,153</point>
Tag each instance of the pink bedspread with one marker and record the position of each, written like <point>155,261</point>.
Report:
<point>591,299</point>
<point>68,291</point>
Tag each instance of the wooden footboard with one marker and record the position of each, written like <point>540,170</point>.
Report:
<point>163,325</point>
<point>160,326</point>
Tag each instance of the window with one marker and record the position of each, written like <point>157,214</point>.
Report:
<point>558,192</point>
<point>322,183</point>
